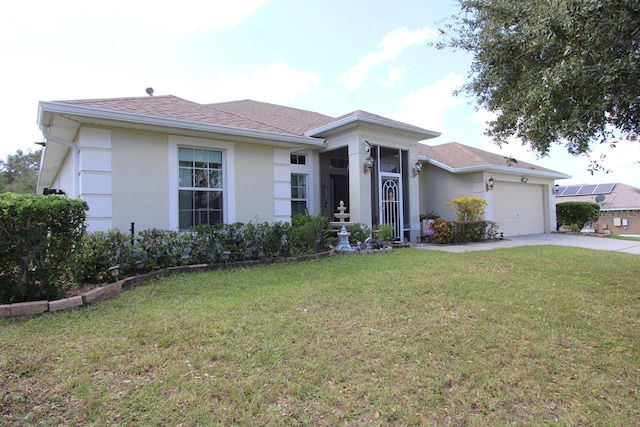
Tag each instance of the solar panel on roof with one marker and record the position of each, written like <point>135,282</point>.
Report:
<point>604,189</point>
<point>572,190</point>
<point>586,190</point>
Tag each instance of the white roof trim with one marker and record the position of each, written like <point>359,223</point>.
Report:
<point>495,168</point>
<point>100,113</point>
<point>373,120</point>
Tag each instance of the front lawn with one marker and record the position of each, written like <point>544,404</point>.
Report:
<point>534,336</point>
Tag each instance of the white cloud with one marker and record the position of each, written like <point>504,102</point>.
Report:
<point>395,74</point>
<point>390,47</point>
<point>278,83</point>
<point>189,16</point>
<point>425,107</point>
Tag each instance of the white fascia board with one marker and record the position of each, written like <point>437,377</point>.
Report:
<point>99,113</point>
<point>495,168</point>
<point>373,120</point>
<point>637,208</point>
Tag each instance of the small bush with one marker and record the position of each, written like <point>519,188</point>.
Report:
<point>457,232</point>
<point>99,251</point>
<point>442,231</point>
<point>359,233</point>
<point>385,232</point>
<point>310,232</point>
<point>468,208</point>
<point>576,215</point>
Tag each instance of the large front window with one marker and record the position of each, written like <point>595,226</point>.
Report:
<point>200,189</point>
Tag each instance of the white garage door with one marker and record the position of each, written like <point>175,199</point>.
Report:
<point>519,208</point>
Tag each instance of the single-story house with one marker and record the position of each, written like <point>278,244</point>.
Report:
<point>165,162</point>
<point>619,205</point>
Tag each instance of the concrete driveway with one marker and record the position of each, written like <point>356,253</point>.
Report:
<point>558,239</point>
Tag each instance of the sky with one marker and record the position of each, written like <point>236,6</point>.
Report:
<point>330,56</point>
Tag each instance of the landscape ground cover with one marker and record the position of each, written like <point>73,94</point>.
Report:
<point>532,335</point>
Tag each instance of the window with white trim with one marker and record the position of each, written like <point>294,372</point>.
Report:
<point>298,193</point>
<point>200,187</point>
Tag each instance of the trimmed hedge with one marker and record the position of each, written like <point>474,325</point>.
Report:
<point>38,236</point>
<point>457,232</point>
<point>577,214</point>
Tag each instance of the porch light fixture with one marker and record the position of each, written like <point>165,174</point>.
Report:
<point>490,183</point>
<point>524,179</point>
<point>417,168</point>
<point>556,189</point>
<point>368,164</point>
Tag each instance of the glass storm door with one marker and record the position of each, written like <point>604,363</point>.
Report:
<point>391,203</point>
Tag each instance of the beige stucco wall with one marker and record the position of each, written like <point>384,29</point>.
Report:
<point>139,179</point>
<point>254,165</point>
<point>438,186</point>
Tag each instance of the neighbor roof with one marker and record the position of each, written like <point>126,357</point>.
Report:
<point>459,158</point>
<point>620,197</point>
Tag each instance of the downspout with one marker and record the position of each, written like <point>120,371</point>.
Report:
<point>75,150</point>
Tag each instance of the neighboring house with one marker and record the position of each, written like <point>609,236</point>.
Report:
<point>619,205</point>
<point>165,162</point>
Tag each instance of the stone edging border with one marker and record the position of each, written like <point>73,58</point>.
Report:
<point>112,289</point>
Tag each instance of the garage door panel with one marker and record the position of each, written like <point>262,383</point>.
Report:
<point>519,208</point>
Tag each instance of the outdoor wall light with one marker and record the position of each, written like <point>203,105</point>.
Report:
<point>490,183</point>
<point>524,179</point>
<point>556,189</point>
<point>417,168</point>
<point>368,164</point>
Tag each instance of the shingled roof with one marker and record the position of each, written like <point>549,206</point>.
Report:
<point>459,156</point>
<point>172,107</point>
<point>287,119</point>
<point>245,114</point>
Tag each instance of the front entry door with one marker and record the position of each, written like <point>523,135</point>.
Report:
<point>391,203</point>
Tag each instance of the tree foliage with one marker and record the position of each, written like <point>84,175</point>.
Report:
<point>562,71</point>
<point>19,172</point>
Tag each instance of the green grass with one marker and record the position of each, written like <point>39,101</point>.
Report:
<point>615,236</point>
<point>522,336</point>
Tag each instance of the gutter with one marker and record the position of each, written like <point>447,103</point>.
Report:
<point>136,118</point>
<point>75,161</point>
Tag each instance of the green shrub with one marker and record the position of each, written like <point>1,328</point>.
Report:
<point>385,232</point>
<point>310,233</point>
<point>457,232</point>
<point>442,231</point>
<point>468,208</point>
<point>38,236</point>
<point>359,233</point>
<point>577,214</point>
<point>101,250</point>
